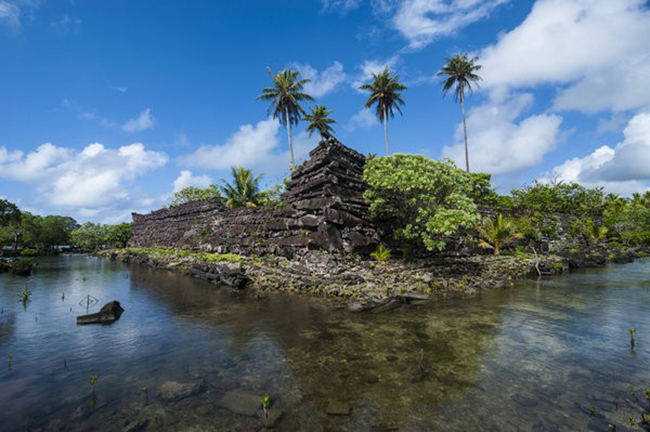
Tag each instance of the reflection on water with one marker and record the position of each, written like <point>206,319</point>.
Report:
<point>550,355</point>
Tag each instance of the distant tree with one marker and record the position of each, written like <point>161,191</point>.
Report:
<point>193,193</point>
<point>285,97</point>
<point>11,220</point>
<point>118,235</point>
<point>89,236</point>
<point>319,121</point>
<point>244,191</point>
<point>460,74</point>
<point>385,93</point>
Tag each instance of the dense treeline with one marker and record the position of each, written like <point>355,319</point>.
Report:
<point>427,200</point>
<point>23,230</point>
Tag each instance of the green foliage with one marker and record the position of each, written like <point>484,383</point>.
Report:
<point>482,192</point>
<point>9,213</point>
<point>92,236</point>
<point>559,197</point>
<point>527,228</point>
<point>21,265</point>
<point>381,254</point>
<point>37,232</point>
<point>28,252</point>
<point>498,234</point>
<point>266,401</point>
<point>93,381</point>
<point>244,190</point>
<point>424,198</point>
<point>459,74</point>
<point>25,295</point>
<point>193,193</point>
<point>319,121</point>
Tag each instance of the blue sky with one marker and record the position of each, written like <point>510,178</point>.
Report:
<point>108,107</point>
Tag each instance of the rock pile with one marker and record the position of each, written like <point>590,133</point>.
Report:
<point>323,209</point>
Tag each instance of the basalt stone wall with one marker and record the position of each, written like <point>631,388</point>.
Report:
<point>323,208</point>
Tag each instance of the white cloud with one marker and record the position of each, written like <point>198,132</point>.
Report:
<point>9,14</point>
<point>340,6</point>
<point>365,118</point>
<point>596,47</point>
<point>186,178</point>
<point>121,89</point>
<point>91,178</point>
<point>625,168</point>
<point>423,21</point>
<point>143,122</point>
<point>323,82</point>
<point>252,146</point>
<point>499,142</point>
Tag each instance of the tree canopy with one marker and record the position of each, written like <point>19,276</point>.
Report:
<point>425,199</point>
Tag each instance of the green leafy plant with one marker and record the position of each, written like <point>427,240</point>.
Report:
<point>244,191</point>
<point>381,254</point>
<point>25,294</point>
<point>93,382</point>
<point>632,341</point>
<point>10,361</point>
<point>266,404</point>
<point>497,234</point>
<point>422,199</point>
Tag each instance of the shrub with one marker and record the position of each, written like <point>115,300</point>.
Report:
<point>424,199</point>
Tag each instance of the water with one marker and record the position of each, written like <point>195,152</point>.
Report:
<point>542,357</point>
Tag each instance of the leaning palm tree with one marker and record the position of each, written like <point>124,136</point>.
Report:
<point>285,97</point>
<point>244,190</point>
<point>385,93</point>
<point>319,121</point>
<point>497,234</point>
<point>460,74</point>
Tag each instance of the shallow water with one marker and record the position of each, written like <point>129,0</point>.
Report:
<point>548,355</point>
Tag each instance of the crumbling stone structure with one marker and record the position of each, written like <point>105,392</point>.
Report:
<point>323,208</point>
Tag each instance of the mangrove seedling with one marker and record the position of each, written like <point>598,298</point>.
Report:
<point>592,409</point>
<point>631,422</point>
<point>25,295</point>
<point>93,382</point>
<point>632,341</point>
<point>611,427</point>
<point>266,404</point>
<point>647,396</point>
<point>10,361</point>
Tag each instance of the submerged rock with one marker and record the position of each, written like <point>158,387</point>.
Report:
<point>241,402</point>
<point>108,314</point>
<point>173,391</point>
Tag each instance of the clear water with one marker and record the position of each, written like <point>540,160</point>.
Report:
<point>549,355</point>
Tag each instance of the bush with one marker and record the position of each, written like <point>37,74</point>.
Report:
<point>424,199</point>
<point>28,252</point>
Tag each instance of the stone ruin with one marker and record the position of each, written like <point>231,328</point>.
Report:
<point>323,209</point>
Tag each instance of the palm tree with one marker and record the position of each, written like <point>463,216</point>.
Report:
<point>497,234</point>
<point>319,121</point>
<point>285,97</point>
<point>460,74</point>
<point>385,93</point>
<point>245,189</point>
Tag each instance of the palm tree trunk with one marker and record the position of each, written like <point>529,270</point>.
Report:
<point>286,116</point>
<point>462,107</point>
<point>386,132</point>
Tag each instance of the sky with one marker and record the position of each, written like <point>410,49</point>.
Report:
<point>108,108</point>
